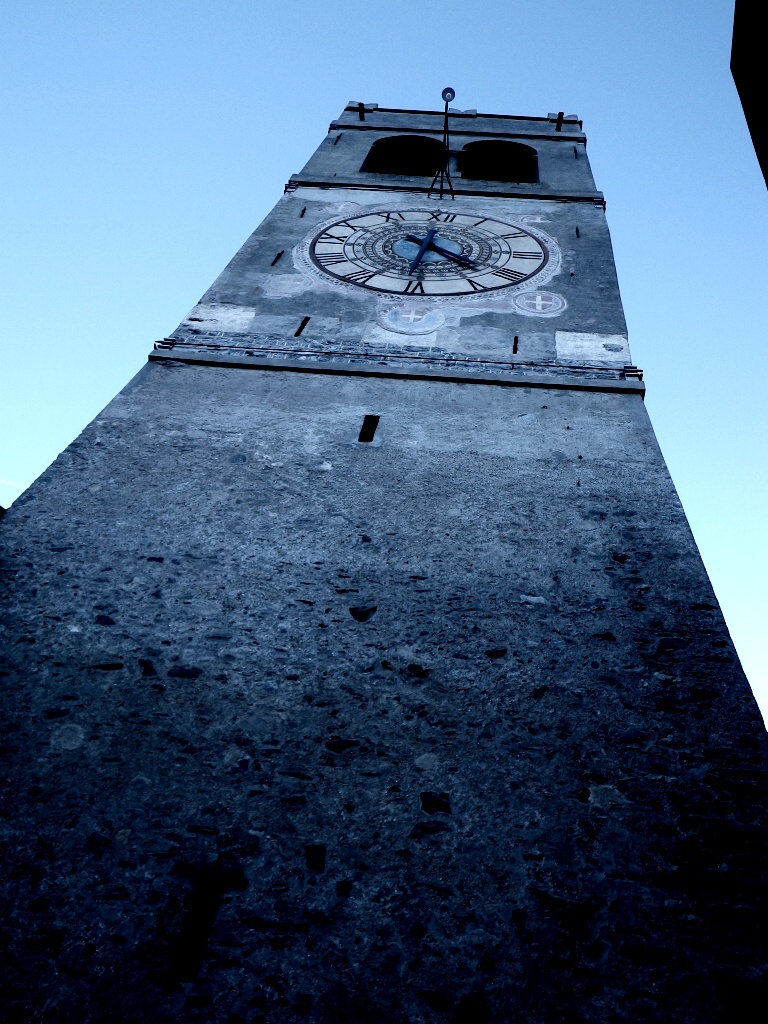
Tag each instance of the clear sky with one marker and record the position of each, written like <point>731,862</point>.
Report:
<point>143,140</point>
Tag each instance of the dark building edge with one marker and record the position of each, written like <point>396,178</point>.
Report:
<point>747,57</point>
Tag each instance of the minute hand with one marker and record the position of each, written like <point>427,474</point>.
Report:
<point>424,244</point>
<point>456,257</point>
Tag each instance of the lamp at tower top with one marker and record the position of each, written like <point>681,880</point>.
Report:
<point>443,175</point>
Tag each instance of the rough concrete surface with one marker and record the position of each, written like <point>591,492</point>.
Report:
<point>444,727</point>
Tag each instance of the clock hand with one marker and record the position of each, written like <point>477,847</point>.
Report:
<point>456,257</point>
<point>425,244</point>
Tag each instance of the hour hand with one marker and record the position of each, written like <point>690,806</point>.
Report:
<point>424,244</point>
<point>455,256</point>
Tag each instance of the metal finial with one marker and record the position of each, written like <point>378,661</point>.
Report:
<point>443,174</point>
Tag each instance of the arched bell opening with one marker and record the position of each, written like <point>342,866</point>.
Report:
<point>495,160</point>
<point>417,156</point>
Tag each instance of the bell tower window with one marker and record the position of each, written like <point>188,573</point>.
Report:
<point>495,160</point>
<point>417,156</point>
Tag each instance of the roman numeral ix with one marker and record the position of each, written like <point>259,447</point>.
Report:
<point>359,276</point>
<point>509,275</point>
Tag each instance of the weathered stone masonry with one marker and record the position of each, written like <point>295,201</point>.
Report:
<point>446,726</point>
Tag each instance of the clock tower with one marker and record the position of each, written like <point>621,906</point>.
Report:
<point>360,664</point>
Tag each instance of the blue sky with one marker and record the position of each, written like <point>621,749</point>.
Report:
<point>144,141</point>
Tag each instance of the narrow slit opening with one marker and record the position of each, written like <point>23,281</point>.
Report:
<point>368,429</point>
<point>301,327</point>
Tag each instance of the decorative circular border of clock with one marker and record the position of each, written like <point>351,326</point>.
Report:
<point>306,262</point>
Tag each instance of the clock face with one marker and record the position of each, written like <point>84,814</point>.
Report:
<point>428,252</point>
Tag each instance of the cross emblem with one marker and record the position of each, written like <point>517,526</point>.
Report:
<point>539,302</point>
<point>412,315</point>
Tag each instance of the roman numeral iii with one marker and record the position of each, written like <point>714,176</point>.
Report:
<point>510,275</point>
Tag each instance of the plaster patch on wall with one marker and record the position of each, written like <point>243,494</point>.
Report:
<point>411,318</point>
<point>575,347</point>
<point>486,343</point>
<point>349,200</point>
<point>380,337</point>
<point>279,325</point>
<point>281,286</point>
<point>215,317</point>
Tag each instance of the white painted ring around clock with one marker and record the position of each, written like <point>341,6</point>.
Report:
<point>304,262</point>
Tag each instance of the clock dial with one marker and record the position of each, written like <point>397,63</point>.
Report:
<point>428,252</point>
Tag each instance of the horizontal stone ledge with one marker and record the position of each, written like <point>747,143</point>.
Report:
<point>342,369</point>
<point>372,126</point>
<point>298,181</point>
<point>373,108</point>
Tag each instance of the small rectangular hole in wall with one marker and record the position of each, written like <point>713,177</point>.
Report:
<point>514,345</point>
<point>368,429</point>
<point>274,261</point>
<point>301,327</point>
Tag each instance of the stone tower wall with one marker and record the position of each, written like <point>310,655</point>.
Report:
<point>442,726</point>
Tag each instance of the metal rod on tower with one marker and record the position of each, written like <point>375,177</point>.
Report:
<point>444,173</point>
